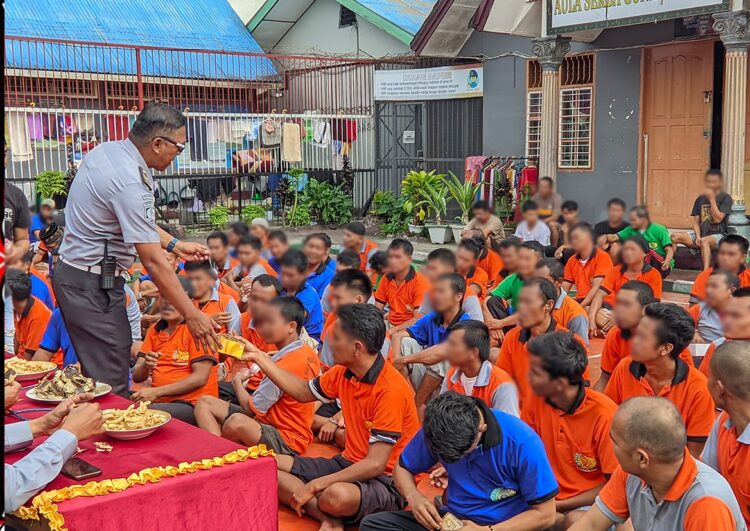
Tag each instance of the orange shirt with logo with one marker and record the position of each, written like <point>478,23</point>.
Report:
<point>616,278</point>
<point>577,441</point>
<point>402,298</point>
<point>291,418</point>
<point>178,353</point>
<point>688,391</point>
<point>378,408</point>
<point>514,358</point>
<point>582,275</point>
<point>698,292</point>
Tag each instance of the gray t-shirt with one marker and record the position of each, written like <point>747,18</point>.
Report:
<point>111,199</point>
<point>702,208</point>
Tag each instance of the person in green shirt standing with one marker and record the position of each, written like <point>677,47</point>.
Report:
<point>498,307</point>
<point>661,254</point>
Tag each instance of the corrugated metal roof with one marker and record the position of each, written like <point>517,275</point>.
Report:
<point>184,25</point>
<point>408,15</point>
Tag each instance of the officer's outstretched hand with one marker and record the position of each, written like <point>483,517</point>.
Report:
<point>203,330</point>
<point>191,252</point>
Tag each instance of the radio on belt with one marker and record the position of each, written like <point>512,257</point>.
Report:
<point>109,266</point>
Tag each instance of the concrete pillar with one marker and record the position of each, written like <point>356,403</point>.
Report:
<point>733,28</point>
<point>550,51</point>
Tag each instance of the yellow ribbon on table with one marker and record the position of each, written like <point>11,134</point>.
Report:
<point>45,503</point>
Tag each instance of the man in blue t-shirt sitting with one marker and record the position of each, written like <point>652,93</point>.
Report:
<point>294,282</point>
<point>494,469</point>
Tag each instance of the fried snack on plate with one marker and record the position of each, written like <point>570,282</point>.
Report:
<point>133,418</point>
<point>21,366</point>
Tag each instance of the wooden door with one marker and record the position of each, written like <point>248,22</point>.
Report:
<point>678,92</point>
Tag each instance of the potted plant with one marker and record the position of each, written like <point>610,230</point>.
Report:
<point>414,204</point>
<point>53,184</point>
<point>268,206</point>
<point>464,193</point>
<point>435,199</point>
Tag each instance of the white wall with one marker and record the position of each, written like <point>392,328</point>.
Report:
<point>246,9</point>
<point>317,32</point>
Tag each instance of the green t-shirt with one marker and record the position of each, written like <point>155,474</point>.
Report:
<point>656,235</point>
<point>509,289</point>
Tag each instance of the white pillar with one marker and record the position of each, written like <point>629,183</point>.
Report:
<point>550,52</point>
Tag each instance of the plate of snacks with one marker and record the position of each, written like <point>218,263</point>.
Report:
<point>27,371</point>
<point>134,422</point>
<point>64,384</point>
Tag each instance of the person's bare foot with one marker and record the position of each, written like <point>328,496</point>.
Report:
<point>332,525</point>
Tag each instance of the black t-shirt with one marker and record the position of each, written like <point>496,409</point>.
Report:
<point>17,214</point>
<point>603,227</point>
<point>702,208</point>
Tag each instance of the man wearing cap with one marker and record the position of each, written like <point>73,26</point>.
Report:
<point>45,216</point>
<point>260,228</point>
<point>111,216</point>
<point>354,239</point>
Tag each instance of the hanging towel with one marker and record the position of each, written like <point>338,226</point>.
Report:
<point>321,133</point>
<point>36,127</point>
<point>18,133</point>
<point>351,131</point>
<point>309,129</point>
<point>291,143</point>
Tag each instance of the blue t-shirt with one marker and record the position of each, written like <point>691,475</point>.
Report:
<point>505,474</point>
<point>41,291</point>
<point>321,277</point>
<point>37,223</point>
<point>429,330</point>
<point>56,337</point>
<point>275,265</point>
<point>311,301</point>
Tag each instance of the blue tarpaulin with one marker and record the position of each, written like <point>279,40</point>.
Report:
<point>186,27</point>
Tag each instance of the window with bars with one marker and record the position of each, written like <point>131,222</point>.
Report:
<point>576,98</point>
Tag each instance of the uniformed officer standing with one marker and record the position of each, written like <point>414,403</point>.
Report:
<point>110,216</point>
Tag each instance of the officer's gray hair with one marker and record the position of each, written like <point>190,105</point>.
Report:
<point>156,119</point>
<point>655,425</point>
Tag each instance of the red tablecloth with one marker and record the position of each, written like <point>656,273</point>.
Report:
<point>241,495</point>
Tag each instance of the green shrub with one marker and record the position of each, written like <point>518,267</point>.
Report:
<point>327,204</point>
<point>219,216</point>
<point>299,216</point>
<point>390,210</point>
<point>51,184</point>
<point>250,212</point>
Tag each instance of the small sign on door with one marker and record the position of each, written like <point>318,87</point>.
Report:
<point>409,137</point>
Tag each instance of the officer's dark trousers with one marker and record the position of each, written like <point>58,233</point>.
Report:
<point>97,322</point>
<point>390,521</point>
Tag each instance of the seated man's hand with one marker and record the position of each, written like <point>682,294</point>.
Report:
<point>52,420</point>
<point>400,362</point>
<point>11,394</point>
<point>425,512</point>
<point>251,351</point>
<point>84,421</point>
<point>151,359</point>
<point>222,318</point>
<point>147,394</point>
<point>439,478</point>
<point>327,431</point>
<point>301,496</point>
<point>494,324</point>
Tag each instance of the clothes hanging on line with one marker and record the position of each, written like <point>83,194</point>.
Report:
<point>291,143</point>
<point>18,137</point>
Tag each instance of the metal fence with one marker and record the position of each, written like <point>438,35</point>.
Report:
<point>251,117</point>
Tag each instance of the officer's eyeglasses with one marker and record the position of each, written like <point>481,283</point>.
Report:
<point>180,147</point>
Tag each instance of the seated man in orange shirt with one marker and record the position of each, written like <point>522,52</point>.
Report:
<point>707,313</point>
<point>567,311</point>
<point>207,297</point>
<point>467,258</point>
<point>472,374</point>
<point>572,420</point>
<point>439,262</point>
<point>654,368</point>
<point>489,260</point>
<point>180,370</point>
<point>728,447</point>
<point>403,289</point>
<point>30,314</point>
<point>250,266</point>
<point>345,260</point>
<point>659,486</point>
<point>731,257</point>
<point>378,407</point>
<point>589,265</point>
<point>736,321</point>
<point>269,416</point>
<point>634,267</point>
<point>632,298</point>
<point>218,246</point>
<point>355,240</point>
<point>535,305</point>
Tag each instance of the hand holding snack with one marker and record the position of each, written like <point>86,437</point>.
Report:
<point>84,421</point>
<point>151,359</point>
<point>12,388</point>
<point>425,512</point>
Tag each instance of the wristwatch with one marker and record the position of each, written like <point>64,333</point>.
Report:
<point>171,245</point>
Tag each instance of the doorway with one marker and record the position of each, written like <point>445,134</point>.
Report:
<point>678,92</point>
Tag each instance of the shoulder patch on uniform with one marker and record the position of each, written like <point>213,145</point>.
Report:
<point>149,208</point>
<point>146,179</point>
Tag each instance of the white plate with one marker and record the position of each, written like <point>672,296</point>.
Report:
<point>129,435</point>
<point>101,390</point>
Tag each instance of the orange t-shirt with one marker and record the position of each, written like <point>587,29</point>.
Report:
<point>698,293</point>
<point>229,264</point>
<point>514,358</point>
<point>688,391</point>
<point>225,289</point>
<point>178,353</point>
<point>30,326</point>
<point>269,270</point>
<point>477,276</point>
<point>218,302</point>
<point>732,457</point>
<point>402,298</point>
<point>378,408</point>
<point>617,346</point>
<point>251,334</point>
<point>577,441</point>
<point>616,278</point>
<point>364,253</point>
<point>493,266</point>
<point>272,406</point>
<point>582,275</point>
<point>486,385</point>
<point>568,310</point>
